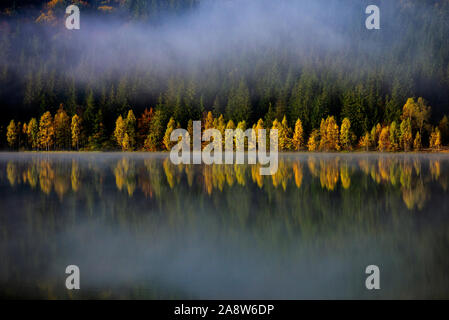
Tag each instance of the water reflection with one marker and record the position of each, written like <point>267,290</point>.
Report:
<point>140,227</point>
<point>410,175</point>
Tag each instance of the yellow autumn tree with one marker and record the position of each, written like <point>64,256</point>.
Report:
<point>365,141</point>
<point>76,131</point>
<point>314,141</point>
<point>120,130</point>
<point>11,134</point>
<point>298,136</point>
<point>229,139</point>
<point>329,132</point>
<point>384,139</point>
<point>46,131</point>
<point>240,136</point>
<point>170,127</point>
<point>435,139</point>
<point>285,142</point>
<point>406,137</point>
<point>417,145</point>
<point>62,129</point>
<point>33,133</point>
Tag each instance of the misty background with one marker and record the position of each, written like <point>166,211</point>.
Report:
<point>244,59</point>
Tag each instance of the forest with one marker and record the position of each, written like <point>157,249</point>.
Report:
<point>138,69</point>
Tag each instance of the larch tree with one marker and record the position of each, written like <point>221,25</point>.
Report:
<point>62,129</point>
<point>417,145</point>
<point>365,141</point>
<point>76,131</point>
<point>120,130</point>
<point>240,136</point>
<point>384,139</point>
<point>406,137</point>
<point>314,141</point>
<point>46,131</point>
<point>229,139</point>
<point>435,139</point>
<point>285,141</point>
<point>168,144</point>
<point>126,142</point>
<point>11,134</point>
<point>345,134</point>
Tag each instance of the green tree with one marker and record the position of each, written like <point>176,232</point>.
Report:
<point>345,134</point>
<point>131,129</point>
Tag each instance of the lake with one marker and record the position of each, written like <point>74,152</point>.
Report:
<point>138,226</point>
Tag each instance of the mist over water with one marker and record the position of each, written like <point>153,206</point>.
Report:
<point>141,227</point>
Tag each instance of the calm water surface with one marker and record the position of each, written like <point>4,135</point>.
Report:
<point>140,227</point>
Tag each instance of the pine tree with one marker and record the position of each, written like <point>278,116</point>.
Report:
<point>46,131</point>
<point>153,140</point>
<point>394,137</point>
<point>444,129</point>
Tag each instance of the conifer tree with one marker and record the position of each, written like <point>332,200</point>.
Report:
<point>143,126</point>
<point>314,141</point>
<point>394,137</point>
<point>406,137</point>
<point>435,139</point>
<point>168,144</point>
<point>130,124</point>
<point>417,142</point>
<point>62,129</point>
<point>384,139</point>
<point>285,141</point>
<point>120,130</point>
<point>365,141</point>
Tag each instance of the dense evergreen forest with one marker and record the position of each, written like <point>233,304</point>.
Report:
<point>228,63</point>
